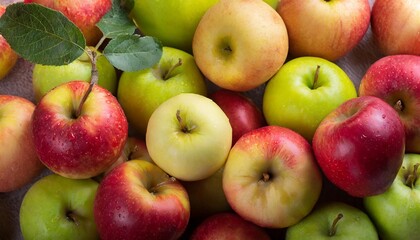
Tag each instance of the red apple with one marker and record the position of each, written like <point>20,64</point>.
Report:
<point>396,80</point>
<point>137,200</point>
<point>19,164</point>
<point>360,146</point>
<point>242,112</point>
<point>8,57</point>
<point>79,144</point>
<point>84,14</point>
<point>228,226</point>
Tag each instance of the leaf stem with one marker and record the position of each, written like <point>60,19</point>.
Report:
<point>101,41</point>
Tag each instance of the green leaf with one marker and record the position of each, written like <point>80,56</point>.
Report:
<point>41,35</point>
<point>133,52</point>
<point>116,22</point>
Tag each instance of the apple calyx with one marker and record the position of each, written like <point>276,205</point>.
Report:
<point>71,217</point>
<point>185,128</point>
<point>154,189</point>
<point>333,229</point>
<point>316,76</point>
<point>411,179</point>
<point>399,106</point>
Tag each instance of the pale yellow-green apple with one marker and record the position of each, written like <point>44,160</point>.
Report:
<point>84,14</point>
<point>8,57</point>
<point>303,92</point>
<point>172,22</point>
<point>240,44</point>
<point>137,200</point>
<point>19,163</point>
<point>141,92</point>
<point>395,26</point>
<point>57,207</point>
<point>324,28</point>
<point>271,177</point>
<point>189,136</point>
<point>46,77</point>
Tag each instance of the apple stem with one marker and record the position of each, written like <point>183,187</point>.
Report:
<point>70,216</point>
<point>399,106</point>
<point>333,228</point>
<point>154,189</point>
<point>316,76</point>
<point>412,178</point>
<point>184,127</point>
<point>169,72</point>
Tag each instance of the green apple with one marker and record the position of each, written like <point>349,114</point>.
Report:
<point>141,92</point>
<point>56,207</point>
<point>189,137</point>
<point>45,77</point>
<point>396,213</point>
<point>303,92</point>
<point>173,22</point>
<point>239,45</point>
<point>334,220</point>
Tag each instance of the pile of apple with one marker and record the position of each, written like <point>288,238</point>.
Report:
<point>178,151</point>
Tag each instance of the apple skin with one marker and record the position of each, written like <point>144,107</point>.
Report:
<point>360,146</point>
<point>242,112</point>
<point>189,137</point>
<point>355,224</point>
<point>299,89</point>
<point>79,146</point>
<point>149,87</point>
<point>19,164</point>
<point>226,54</point>
<point>79,69</point>
<point>395,26</point>
<point>326,29</point>
<point>84,14</point>
<point>273,170</point>
<point>137,200</point>
<point>8,57</point>
<point>56,207</point>
<point>380,80</point>
<point>396,212</point>
<point>228,226</point>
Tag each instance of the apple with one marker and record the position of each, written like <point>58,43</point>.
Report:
<point>396,212</point>
<point>360,146</point>
<point>228,226</point>
<point>396,80</point>
<point>225,52</point>
<point>189,137</point>
<point>395,26</point>
<point>175,73</point>
<point>139,200</point>
<point>84,14</point>
<point>181,17</point>
<point>19,164</point>
<point>56,207</point>
<point>243,113</point>
<point>326,29</point>
<point>76,138</point>
<point>79,69</point>
<point>334,220</point>
<point>305,86</point>
<point>271,177</point>
<point>8,57</point>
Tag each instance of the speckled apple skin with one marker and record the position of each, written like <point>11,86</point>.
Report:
<point>8,57</point>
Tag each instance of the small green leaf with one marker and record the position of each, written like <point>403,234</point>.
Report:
<point>133,52</point>
<point>41,35</point>
<point>116,22</point>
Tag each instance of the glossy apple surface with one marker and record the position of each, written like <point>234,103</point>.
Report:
<point>141,92</point>
<point>326,29</point>
<point>225,52</point>
<point>396,80</point>
<point>8,57</point>
<point>189,136</point>
<point>396,212</point>
<point>271,177</point>
<point>137,200</point>
<point>303,92</point>
<point>243,113</point>
<point>56,207</point>
<point>79,145</point>
<point>19,163</point>
<point>360,146</point>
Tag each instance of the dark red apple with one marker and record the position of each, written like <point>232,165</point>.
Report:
<point>360,146</point>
